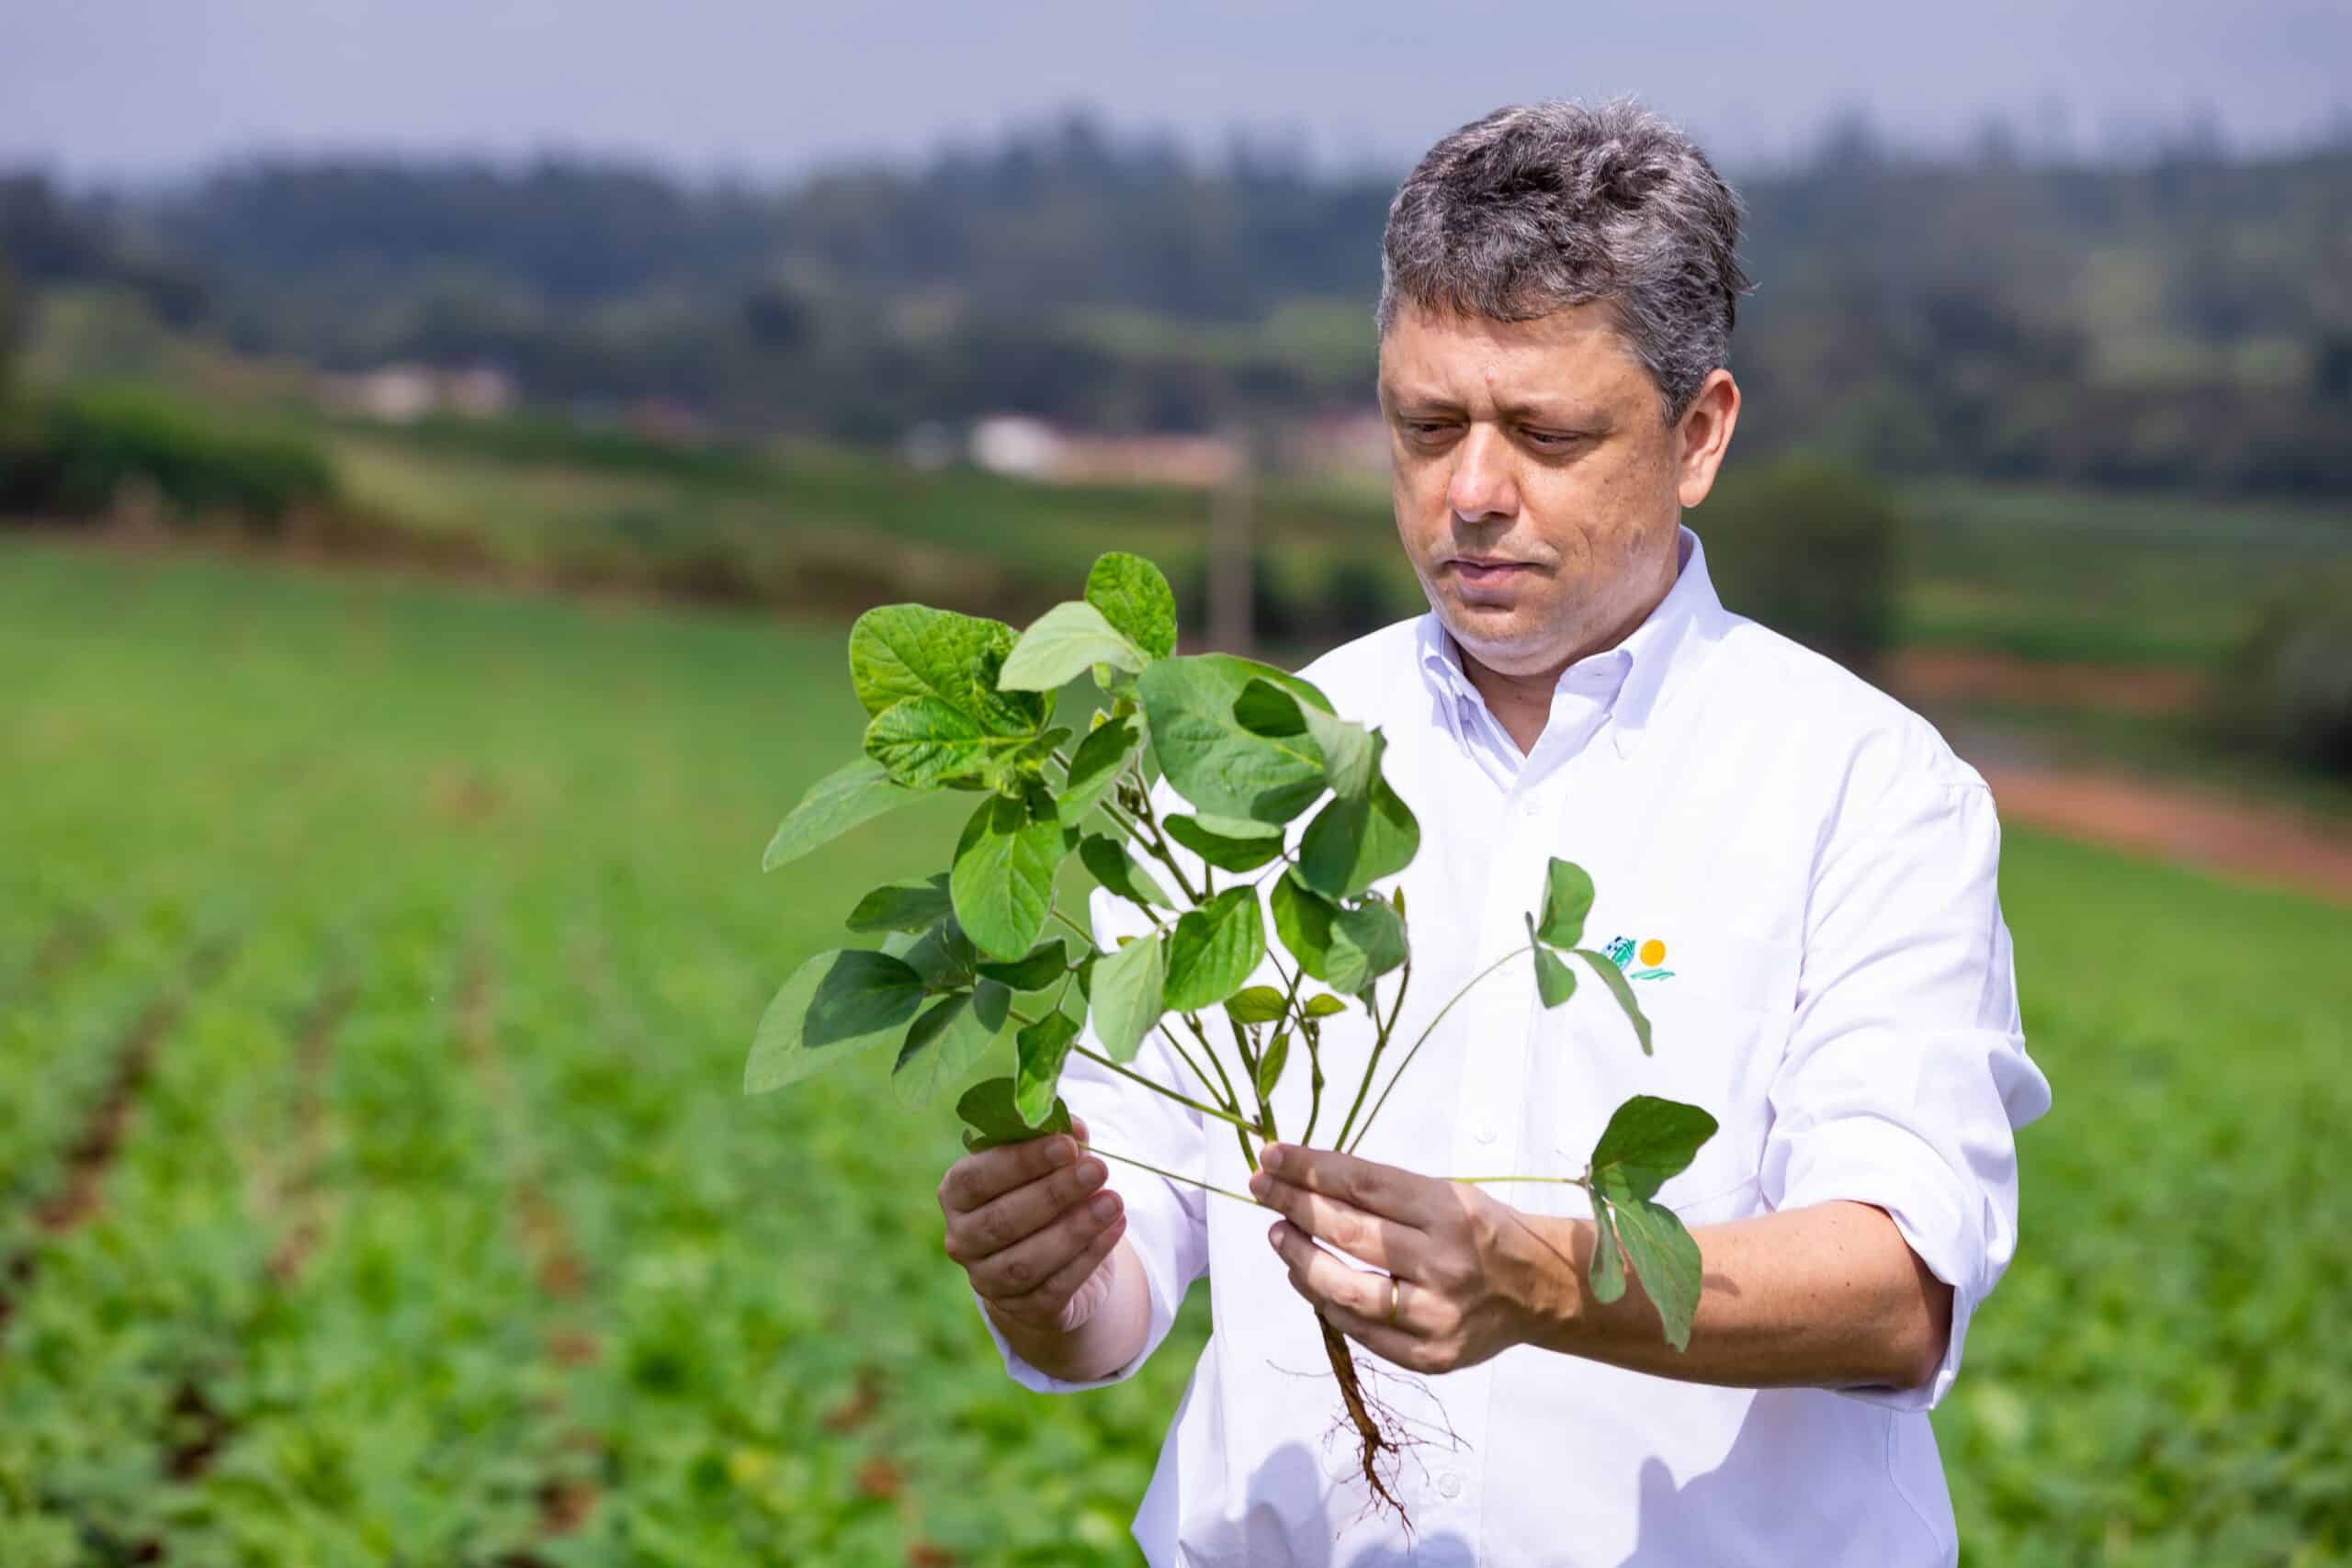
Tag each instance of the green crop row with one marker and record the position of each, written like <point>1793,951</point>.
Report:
<point>439,1232</point>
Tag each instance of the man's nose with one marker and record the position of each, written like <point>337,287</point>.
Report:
<point>1482,486</point>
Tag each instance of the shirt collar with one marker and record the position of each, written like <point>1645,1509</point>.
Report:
<point>1674,637</point>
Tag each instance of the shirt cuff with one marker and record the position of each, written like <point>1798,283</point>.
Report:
<point>1156,1229</point>
<point>1893,1170</point>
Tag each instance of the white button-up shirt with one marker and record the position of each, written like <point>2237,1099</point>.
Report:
<point>1798,876</point>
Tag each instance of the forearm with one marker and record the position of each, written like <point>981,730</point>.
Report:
<point>1112,1335</point>
<point>1823,1296</point>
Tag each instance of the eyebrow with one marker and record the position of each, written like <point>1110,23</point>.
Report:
<point>1562,415</point>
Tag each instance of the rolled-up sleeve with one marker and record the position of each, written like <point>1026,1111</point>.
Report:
<point>1905,1076</point>
<point>1167,1221</point>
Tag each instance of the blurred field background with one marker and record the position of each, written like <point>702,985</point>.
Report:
<point>422,579</point>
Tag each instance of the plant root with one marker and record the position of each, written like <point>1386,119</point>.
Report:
<point>1372,1441</point>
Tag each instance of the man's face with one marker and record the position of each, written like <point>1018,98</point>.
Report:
<point>1537,487</point>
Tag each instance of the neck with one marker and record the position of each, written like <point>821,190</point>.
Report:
<point>1523,702</point>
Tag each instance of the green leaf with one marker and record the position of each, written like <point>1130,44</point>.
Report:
<point>898,652</point>
<point>1264,708</point>
<point>942,956</point>
<point>1095,768</point>
<point>1647,1140</point>
<point>1212,759</point>
<point>1136,599</point>
<point>835,1006</point>
<point>1040,1049</point>
<point>1346,948</point>
<point>1032,757</point>
<point>1614,978</point>
<point>1351,752</point>
<point>1044,963</point>
<point>1554,981</point>
<point>1568,899</point>
<point>992,1117</point>
<point>902,906</point>
<point>942,1044</point>
<point>1374,935</point>
<point>1324,1004</point>
<point>1608,1272</point>
<point>1214,949</point>
<point>1254,1004</point>
<point>850,795</point>
<point>1356,841</point>
<point>1270,1066</point>
<point>1002,881</point>
<point>922,742</point>
<point>1666,1259</point>
<point>1063,644</point>
<point>1115,869</point>
<point>1129,987</point>
<point>1228,843</point>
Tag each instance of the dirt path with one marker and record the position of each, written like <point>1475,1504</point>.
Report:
<point>2226,834</point>
<point>1932,675</point>
<point>2210,827</point>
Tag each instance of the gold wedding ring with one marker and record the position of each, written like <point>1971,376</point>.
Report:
<point>1396,1296</point>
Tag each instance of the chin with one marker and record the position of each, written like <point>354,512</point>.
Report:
<point>1500,638</point>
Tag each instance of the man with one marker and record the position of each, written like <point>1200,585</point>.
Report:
<point>1797,875</point>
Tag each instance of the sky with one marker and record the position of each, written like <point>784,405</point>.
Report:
<point>115,90</point>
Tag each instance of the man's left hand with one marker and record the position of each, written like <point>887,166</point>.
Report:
<point>1460,1260</point>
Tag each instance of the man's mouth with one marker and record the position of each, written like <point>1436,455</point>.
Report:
<point>1473,568</point>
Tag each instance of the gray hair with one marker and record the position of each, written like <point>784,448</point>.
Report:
<point>1541,206</point>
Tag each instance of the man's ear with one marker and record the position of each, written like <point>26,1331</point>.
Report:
<point>1704,435</point>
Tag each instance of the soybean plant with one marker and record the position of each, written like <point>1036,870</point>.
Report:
<point>981,951</point>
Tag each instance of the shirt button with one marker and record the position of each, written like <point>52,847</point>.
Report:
<point>1484,1134</point>
<point>1449,1484</point>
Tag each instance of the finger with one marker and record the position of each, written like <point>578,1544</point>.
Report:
<point>979,1178</point>
<point>1078,1129</point>
<point>1021,1213</point>
<point>1044,1305</point>
<point>1398,1347</point>
<point>1368,1237</point>
<point>1028,1263</point>
<point>1325,1281</point>
<point>1376,1188</point>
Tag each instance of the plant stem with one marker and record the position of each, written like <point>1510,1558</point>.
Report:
<point>1187,1180</point>
<point>1249,1060</point>
<point>1313,1081</point>
<point>1186,1057</point>
<point>1383,1030</point>
<point>1241,1129</point>
<point>1177,1095</point>
<point>1415,1051</point>
<point>1562,1180</point>
<point>1159,847</point>
<point>1210,1051</point>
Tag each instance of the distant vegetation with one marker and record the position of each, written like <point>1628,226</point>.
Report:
<point>2186,322</point>
<point>2289,688</point>
<point>79,456</point>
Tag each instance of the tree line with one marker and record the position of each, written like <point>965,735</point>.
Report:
<point>2183,321</point>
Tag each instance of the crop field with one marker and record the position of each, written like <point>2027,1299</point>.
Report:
<point>377,964</point>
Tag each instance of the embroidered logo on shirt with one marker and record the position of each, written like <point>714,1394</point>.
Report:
<point>1626,952</point>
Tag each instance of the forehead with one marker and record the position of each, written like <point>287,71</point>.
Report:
<point>1574,357</point>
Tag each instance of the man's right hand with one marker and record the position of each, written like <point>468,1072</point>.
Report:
<point>1036,1231</point>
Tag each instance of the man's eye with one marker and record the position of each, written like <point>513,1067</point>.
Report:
<point>1551,440</point>
<point>1424,428</point>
